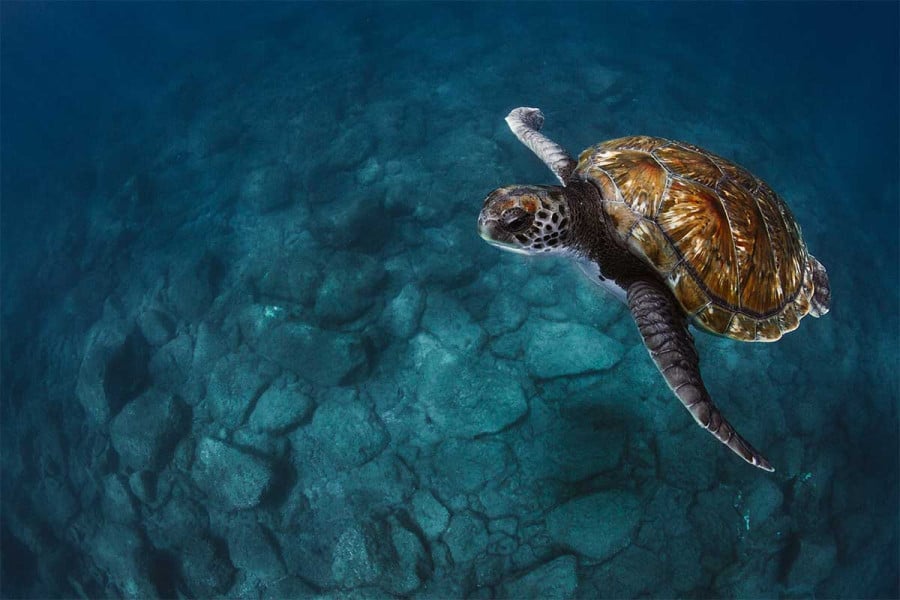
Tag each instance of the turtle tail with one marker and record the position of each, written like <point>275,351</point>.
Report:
<point>821,299</point>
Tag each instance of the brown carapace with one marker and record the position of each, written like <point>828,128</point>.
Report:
<point>726,245</point>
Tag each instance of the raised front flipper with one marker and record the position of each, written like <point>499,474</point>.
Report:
<point>526,123</point>
<point>664,328</point>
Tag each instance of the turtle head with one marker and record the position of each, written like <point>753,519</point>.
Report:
<point>530,219</point>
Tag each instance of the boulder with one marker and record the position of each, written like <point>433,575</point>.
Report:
<point>254,551</point>
<point>284,404</point>
<point>430,515</point>
<point>145,432</point>
<point>349,430</point>
<point>267,188</point>
<point>205,567</point>
<point>404,312</point>
<point>231,478</point>
<point>113,370</point>
<point>235,383</point>
<point>350,287</point>
<point>466,537</point>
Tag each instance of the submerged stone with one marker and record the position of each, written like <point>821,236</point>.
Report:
<point>555,579</point>
<point>145,432</point>
<point>430,515</point>
<point>205,566</point>
<point>596,526</point>
<point>466,537</point>
<point>322,357</point>
<point>557,349</point>
<point>282,406</point>
<point>232,478</point>
<point>463,398</point>
<point>254,551</point>
<point>236,381</point>
<point>405,310</point>
<point>349,430</point>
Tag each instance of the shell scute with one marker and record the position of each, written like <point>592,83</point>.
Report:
<point>715,318</point>
<point>695,220</point>
<point>683,284</point>
<point>689,164</point>
<point>648,239</point>
<point>640,178</point>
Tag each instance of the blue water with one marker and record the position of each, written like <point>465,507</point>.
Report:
<point>252,345</point>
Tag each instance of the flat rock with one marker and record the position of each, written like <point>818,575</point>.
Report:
<point>555,579</point>
<point>284,404</point>
<point>557,349</point>
<point>596,526</point>
<point>145,432</point>
<point>232,478</point>
<point>464,398</point>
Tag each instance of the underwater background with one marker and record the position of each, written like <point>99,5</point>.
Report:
<point>253,347</point>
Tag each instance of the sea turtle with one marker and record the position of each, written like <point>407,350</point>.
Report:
<point>678,234</point>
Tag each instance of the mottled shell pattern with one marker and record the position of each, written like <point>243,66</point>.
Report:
<point>725,243</point>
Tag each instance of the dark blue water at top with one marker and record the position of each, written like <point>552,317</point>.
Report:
<point>252,345</point>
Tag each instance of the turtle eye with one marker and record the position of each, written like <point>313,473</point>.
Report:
<point>516,219</point>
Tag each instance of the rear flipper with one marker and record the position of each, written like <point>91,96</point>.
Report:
<point>664,328</point>
<point>820,303</point>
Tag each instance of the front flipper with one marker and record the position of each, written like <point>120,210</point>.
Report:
<point>664,328</point>
<point>526,124</point>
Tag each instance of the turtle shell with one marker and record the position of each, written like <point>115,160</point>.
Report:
<point>727,246</point>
